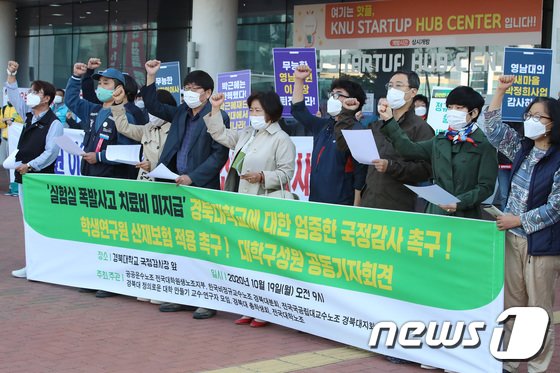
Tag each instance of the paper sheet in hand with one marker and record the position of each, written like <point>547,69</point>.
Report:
<point>162,172</point>
<point>434,194</point>
<point>362,145</point>
<point>10,162</point>
<point>127,154</point>
<point>68,145</point>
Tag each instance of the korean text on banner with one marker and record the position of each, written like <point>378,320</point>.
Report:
<point>236,87</point>
<point>532,68</point>
<point>437,113</point>
<point>405,24</point>
<point>285,62</point>
<point>168,77</point>
<point>334,271</point>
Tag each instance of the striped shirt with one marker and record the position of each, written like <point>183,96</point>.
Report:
<point>508,142</point>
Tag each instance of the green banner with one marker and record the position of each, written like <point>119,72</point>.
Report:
<point>425,259</point>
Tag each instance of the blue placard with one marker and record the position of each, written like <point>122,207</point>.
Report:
<point>532,68</point>
<point>236,87</point>
<point>168,77</point>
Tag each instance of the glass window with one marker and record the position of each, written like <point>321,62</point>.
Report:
<point>91,17</point>
<point>90,45</point>
<point>27,21</point>
<point>27,55</point>
<point>128,15</point>
<point>56,19</point>
<point>255,44</point>
<point>258,11</point>
<point>55,54</point>
<point>163,16</point>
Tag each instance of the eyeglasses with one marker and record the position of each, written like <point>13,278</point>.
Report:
<point>336,95</point>
<point>396,86</point>
<point>527,116</point>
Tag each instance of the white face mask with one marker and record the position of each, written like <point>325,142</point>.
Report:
<point>457,119</point>
<point>192,99</point>
<point>334,107</point>
<point>57,99</point>
<point>420,111</point>
<point>258,122</point>
<point>533,128</point>
<point>139,104</point>
<point>395,97</point>
<point>32,100</point>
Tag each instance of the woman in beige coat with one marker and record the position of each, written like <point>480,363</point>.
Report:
<point>152,135</point>
<point>264,155</point>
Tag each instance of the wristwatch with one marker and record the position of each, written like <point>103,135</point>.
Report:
<point>30,169</point>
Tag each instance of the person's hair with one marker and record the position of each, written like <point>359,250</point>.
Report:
<point>130,87</point>
<point>411,76</point>
<point>422,98</point>
<point>354,90</point>
<point>270,102</point>
<point>60,90</point>
<point>47,88</point>
<point>200,78</point>
<point>465,96</point>
<point>165,97</point>
<point>552,107</point>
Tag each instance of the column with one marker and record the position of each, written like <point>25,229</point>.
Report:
<point>7,36</point>
<point>214,30</point>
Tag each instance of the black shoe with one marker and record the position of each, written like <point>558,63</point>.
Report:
<point>104,294</point>
<point>204,313</point>
<point>396,360</point>
<point>174,307</point>
<point>83,290</point>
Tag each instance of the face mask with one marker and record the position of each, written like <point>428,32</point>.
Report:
<point>257,123</point>
<point>192,99</point>
<point>139,104</point>
<point>457,119</point>
<point>333,107</point>
<point>420,111</point>
<point>395,97</point>
<point>103,94</point>
<point>32,100</point>
<point>533,128</point>
<point>57,99</point>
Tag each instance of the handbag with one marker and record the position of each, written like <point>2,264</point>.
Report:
<point>283,194</point>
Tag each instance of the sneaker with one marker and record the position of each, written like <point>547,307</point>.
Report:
<point>204,313</point>
<point>396,360</point>
<point>174,307</point>
<point>153,301</point>
<point>8,193</point>
<point>427,367</point>
<point>84,290</point>
<point>14,194</point>
<point>20,273</point>
<point>142,299</point>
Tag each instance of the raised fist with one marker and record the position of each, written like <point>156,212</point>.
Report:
<point>94,63</point>
<point>152,66</point>
<point>80,69</point>
<point>217,100</point>
<point>302,72</point>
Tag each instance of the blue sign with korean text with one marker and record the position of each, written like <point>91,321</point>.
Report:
<point>285,62</point>
<point>168,77</point>
<point>532,68</point>
<point>236,87</point>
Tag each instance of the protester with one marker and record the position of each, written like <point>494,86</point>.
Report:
<point>463,161</point>
<point>532,210</point>
<point>9,115</point>
<point>152,136</point>
<point>384,187</point>
<point>421,105</point>
<point>264,155</point>
<point>189,150</point>
<point>59,107</point>
<point>37,150</point>
<point>335,176</point>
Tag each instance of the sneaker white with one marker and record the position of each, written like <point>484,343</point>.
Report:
<point>153,301</point>
<point>142,299</point>
<point>20,273</point>
<point>427,367</point>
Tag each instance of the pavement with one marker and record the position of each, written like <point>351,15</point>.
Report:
<point>52,328</point>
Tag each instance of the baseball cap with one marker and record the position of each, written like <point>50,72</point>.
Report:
<point>110,73</point>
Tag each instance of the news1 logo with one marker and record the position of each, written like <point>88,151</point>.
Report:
<point>527,336</point>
